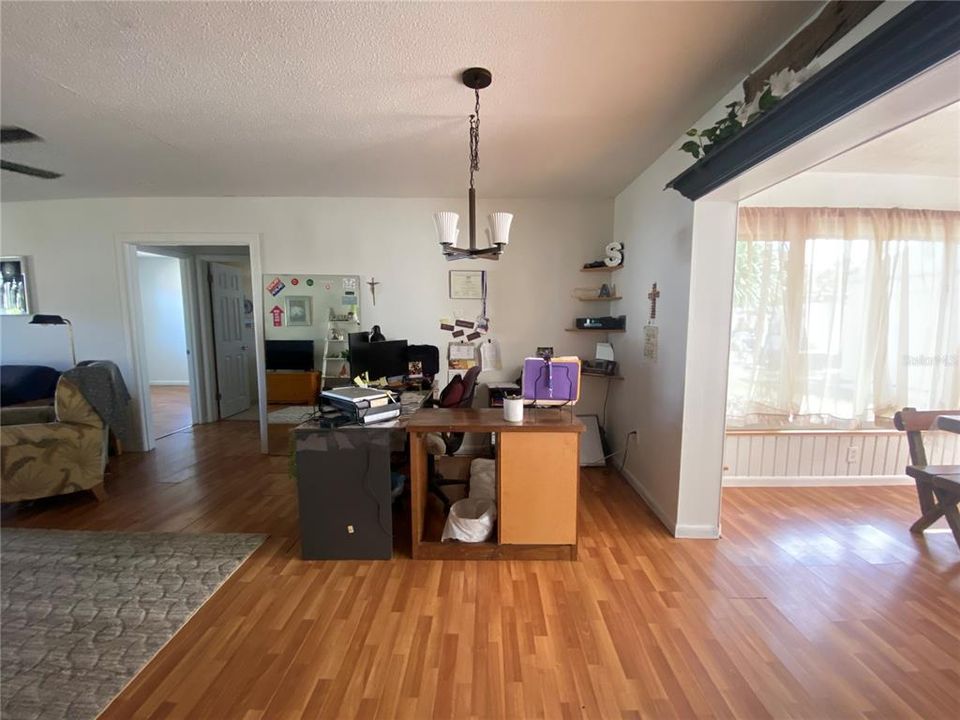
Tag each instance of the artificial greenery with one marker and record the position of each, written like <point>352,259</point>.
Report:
<point>738,116</point>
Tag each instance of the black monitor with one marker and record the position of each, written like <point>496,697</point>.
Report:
<point>289,354</point>
<point>387,358</point>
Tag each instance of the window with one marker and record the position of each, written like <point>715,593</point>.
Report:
<point>842,316</point>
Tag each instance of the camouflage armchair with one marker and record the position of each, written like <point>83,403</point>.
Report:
<point>52,451</point>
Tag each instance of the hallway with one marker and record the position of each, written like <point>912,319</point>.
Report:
<point>171,409</point>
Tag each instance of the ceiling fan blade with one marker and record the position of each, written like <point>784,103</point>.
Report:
<point>27,170</point>
<point>14,134</point>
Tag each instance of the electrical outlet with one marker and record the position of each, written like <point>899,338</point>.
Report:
<point>853,454</point>
<point>350,529</point>
<point>634,435</point>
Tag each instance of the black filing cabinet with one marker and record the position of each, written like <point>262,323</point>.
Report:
<point>343,489</point>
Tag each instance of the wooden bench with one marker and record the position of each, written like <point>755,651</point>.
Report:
<point>938,486</point>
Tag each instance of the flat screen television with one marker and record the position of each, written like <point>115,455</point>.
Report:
<point>289,354</point>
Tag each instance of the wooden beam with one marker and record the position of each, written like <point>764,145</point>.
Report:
<point>835,20</point>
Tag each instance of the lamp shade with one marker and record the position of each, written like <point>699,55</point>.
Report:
<point>49,320</point>
<point>447,227</point>
<point>500,227</point>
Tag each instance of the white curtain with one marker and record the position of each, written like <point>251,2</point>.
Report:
<point>842,316</point>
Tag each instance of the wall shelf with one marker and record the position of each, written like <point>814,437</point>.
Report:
<point>600,299</point>
<point>601,269</point>
<point>596,330</point>
<point>600,375</point>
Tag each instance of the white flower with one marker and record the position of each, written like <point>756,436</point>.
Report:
<point>782,82</point>
<point>785,81</point>
<point>806,73</point>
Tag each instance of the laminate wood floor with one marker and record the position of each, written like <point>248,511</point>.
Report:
<point>171,409</point>
<point>817,603</point>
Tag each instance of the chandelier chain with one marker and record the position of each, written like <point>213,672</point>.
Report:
<point>475,138</point>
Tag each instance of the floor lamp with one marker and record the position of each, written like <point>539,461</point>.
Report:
<point>58,320</point>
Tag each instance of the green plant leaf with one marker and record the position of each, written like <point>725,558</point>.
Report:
<point>692,147</point>
<point>693,132</point>
<point>768,100</point>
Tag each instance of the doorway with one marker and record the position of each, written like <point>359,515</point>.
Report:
<point>165,341</point>
<point>846,296</point>
<point>715,218</point>
<point>220,327</point>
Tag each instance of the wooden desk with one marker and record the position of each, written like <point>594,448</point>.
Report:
<point>538,484</point>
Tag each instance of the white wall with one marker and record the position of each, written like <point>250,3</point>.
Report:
<point>866,190</point>
<point>164,333</point>
<point>72,247</point>
<point>677,430</point>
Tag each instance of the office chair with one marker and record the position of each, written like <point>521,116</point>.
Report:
<point>458,393</point>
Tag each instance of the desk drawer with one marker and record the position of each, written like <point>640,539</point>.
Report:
<point>538,480</point>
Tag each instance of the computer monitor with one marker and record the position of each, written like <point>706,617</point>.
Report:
<point>387,358</point>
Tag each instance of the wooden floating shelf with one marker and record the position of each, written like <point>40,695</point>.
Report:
<point>601,299</point>
<point>605,330</point>
<point>599,375</point>
<point>601,269</point>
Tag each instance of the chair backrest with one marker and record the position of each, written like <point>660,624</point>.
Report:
<point>459,392</point>
<point>427,355</point>
<point>469,386</point>
<point>914,422</point>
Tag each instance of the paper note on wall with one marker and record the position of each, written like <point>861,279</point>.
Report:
<point>650,342</point>
<point>462,356</point>
<point>490,355</point>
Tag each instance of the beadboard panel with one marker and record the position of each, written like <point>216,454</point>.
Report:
<point>785,459</point>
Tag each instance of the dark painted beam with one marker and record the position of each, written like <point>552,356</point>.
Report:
<point>917,38</point>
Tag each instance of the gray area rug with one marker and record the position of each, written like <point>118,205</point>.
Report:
<point>293,415</point>
<point>82,612</point>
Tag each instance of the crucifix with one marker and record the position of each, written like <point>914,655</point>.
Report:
<point>372,282</point>
<point>653,295</point>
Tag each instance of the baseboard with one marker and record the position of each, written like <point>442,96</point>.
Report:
<point>650,502</point>
<point>814,480</point>
<point>165,383</point>
<point>699,532</point>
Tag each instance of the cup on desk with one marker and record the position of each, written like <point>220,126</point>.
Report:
<point>513,409</point>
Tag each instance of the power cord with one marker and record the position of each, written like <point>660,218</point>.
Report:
<point>603,413</point>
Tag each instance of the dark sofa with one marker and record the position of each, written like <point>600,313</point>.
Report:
<point>33,384</point>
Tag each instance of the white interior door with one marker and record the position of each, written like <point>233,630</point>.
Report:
<point>226,298</point>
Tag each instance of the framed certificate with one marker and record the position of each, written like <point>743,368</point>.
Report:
<point>467,284</point>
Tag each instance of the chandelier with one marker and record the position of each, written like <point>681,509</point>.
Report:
<point>498,234</point>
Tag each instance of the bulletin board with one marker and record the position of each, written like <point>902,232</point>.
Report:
<point>300,307</point>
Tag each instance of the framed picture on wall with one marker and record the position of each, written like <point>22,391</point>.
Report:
<point>466,284</point>
<point>298,309</point>
<point>14,294</point>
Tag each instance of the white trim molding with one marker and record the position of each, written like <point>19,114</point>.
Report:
<point>126,256</point>
<point>813,480</point>
<point>697,532</point>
